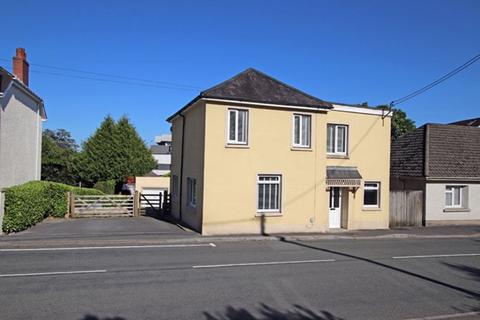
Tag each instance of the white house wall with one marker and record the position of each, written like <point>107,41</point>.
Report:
<point>435,204</point>
<point>162,158</point>
<point>20,139</point>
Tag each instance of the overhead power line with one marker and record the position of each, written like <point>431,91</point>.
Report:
<point>436,82</point>
<point>106,76</point>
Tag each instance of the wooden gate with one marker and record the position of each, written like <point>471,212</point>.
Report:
<point>99,206</point>
<point>406,208</point>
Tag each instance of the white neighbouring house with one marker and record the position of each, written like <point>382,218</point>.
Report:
<point>21,115</point>
<point>161,152</point>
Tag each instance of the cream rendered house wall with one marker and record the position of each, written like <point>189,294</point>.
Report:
<point>230,172</point>
<point>193,164</point>
<point>369,151</point>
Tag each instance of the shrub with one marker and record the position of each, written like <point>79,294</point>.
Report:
<point>107,187</point>
<point>30,203</point>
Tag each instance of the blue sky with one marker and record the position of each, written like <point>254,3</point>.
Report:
<point>347,51</point>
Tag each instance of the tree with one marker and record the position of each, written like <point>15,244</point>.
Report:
<point>58,153</point>
<point>401,124</point>
<point>113,152</point>
<point>62,138</point>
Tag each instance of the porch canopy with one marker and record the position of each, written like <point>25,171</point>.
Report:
<point>343,177</point>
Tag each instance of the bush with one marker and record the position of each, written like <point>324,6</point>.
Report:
<point>30,203</point>
<point>107,187</point>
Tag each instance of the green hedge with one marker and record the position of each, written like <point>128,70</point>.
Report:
<point>107,187</point>
<point>30,203</point>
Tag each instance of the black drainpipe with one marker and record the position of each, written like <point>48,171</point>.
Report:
<point>181,168</point>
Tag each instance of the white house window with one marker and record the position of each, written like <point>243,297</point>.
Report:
<point>192,192</point>
<point>454,197</point>
<point>301,130</point>
<point>337,139</point>
<point>174,186</point>
<point>237,126</point>
<point>269,193</point>
<point>371,195</point>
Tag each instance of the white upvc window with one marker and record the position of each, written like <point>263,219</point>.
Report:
<point>269,193</point>
<point>302,124</point>
<point>371,194</point>
<point>192,192</point>
<point>237,126</point>
<point>453,197</point>
<point>174,186</point>
<point>337,139</point>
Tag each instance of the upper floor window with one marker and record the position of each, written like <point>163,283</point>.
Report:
<point>237,126</point>
<point>337,139</point>
<point>302,130</point>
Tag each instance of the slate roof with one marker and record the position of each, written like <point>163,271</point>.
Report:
<point>438,151</point>
<point>254,86</point>
<point>475,122</point>
<point>160,149</point>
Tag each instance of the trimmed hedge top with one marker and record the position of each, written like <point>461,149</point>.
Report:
<point>30,203</point>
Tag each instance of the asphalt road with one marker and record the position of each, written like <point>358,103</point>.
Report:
<point>249,280</point>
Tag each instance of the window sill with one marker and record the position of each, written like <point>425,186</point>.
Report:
<point>371,209</point>
<point>237,146</point>
<point>337,156</point>
<point>456,210</point>
<point>268,214</point>
<point>308,149</point>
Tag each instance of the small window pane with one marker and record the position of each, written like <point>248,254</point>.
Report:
<point>456,196</point>
<point>330,138</point>
<point>232,125</point>
<point>297,130</point>
<point>448,199</point>
<point>341,139</point>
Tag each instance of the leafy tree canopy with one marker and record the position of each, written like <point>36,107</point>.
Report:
<point>401,124</point>
<point>58,153</point>
<point>114,152</point>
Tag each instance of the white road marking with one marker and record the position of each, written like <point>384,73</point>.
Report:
<point>11,275</point>
<point>449,316</point>
<point>110,247</point>
<point>438,256</point>
<point>259,263</point>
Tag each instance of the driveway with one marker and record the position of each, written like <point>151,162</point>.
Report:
<point>143,227</point>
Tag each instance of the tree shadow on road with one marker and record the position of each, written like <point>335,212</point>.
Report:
<point>471,273</point>
<point>92,317</point>
<point>468,292</point>
<point>268,313</point>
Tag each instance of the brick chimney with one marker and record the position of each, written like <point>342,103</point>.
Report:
<point>20,66</point>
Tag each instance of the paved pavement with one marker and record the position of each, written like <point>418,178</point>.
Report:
<point>248,280</point>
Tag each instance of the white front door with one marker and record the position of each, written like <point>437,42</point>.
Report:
<point>335,207</point>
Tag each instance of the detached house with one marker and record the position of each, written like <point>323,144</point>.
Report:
<point>442,161</point>
<point>253,154</point>
<point>21,115</point>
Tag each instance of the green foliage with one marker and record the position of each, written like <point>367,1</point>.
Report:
<point>401,124</point>
<point>114,152</point>
<point>30,203</point>
<point>58,153</point>
<point>107,187</point>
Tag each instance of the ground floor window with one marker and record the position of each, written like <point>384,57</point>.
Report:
<point>192,192</point>
<point>269,193</point>
<point>371,194</point>
<point>455,196</point>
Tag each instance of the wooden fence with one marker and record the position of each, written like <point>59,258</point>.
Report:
<point>406,208</point>
<point>103,205</point>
